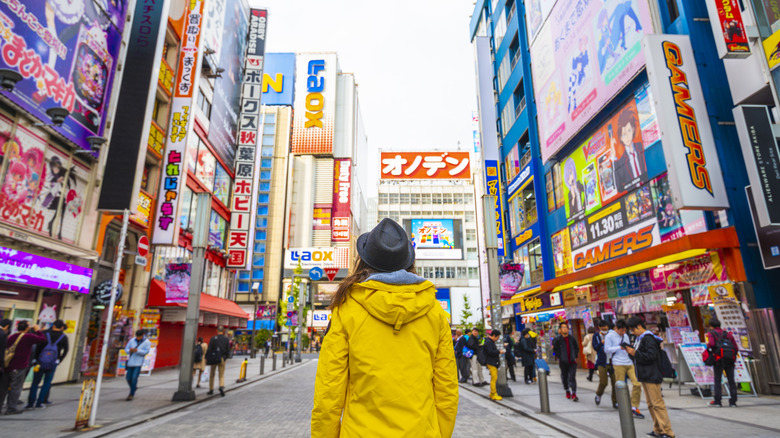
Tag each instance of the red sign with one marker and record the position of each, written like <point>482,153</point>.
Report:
<point>734,35</point>
<point>342,193</point>
<point>143,246</point>
<point>425,165</point>
<point>331,273</point>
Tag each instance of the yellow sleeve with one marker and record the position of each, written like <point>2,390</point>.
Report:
<point>330,386</point>
<point>445,381</point>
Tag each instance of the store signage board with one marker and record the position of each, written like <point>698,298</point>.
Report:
<point>762,159</point>
<point>637,237</point>
<point>342,199</point>
<point>493,188</point>
<point>316,257</point>
<point>315,103</point>
<point>279,71</point>
<point>425,165</point>
<point>731,39</point>
<point>768,237</point>
<point>689,147</point>
<point>33,270</point>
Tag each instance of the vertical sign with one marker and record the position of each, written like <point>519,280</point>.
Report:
<point>244,200</point>
<point>768,236</point>
<point>342,188</point>
<point>315,103</point>
<point>731,39</point>
<point>174,170</point>
<point>493,186</point>
<point>695,178</point>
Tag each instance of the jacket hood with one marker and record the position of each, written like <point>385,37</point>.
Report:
<point>395,298</point>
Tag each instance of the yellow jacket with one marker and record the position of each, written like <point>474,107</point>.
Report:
<point>387,364</point>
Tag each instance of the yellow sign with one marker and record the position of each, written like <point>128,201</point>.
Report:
<point>772,50</point>
<point>530,304</point>
<point>527,234</point>
<point>722,294</point>
<point>70,326</point>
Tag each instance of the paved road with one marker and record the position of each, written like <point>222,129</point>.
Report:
<point>280,407</point>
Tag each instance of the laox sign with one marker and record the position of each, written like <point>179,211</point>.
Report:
<point>317,256</point>
<point>314,100</point>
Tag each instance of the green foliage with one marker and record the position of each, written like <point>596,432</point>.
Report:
<point>480,325</point>
<point>465,313</point>
<point>261,337</point>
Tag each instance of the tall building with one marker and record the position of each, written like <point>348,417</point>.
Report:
<point>620,191</point>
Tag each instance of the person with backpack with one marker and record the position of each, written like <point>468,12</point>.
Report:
<point>49,354</point>
<point>622,364</point>
<point>477,379</point>
<point>589,352</point>
<point>461,359</point>
<point>603,365</point>
<point>136,349</point>
<point>17,355</point>
<point>216,355</point>
<point>724,348</point>
<point>199,360</point>
<point>567,350</point>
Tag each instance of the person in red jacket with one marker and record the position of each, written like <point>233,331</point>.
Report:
<point>715,340</point>
<point>17,369</point>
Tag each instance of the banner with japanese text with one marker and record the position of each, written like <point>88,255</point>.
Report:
<point>342,190</point>
<point>425,165</point>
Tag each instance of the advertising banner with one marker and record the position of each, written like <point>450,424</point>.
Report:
<point>768,237</point>
<point>584,54</point>
<point>266,311</point>
<point>278,78</point>
<point>536,12</point>
<point>321,318</point>
<point>612,160</point>
<point>435,239</point>
<point>244,199</point>
<point>321,217</point>
<point>731,39</point>
<point>762,159</point>
<point>510,277</point>
<point>695,176</point>
<point>493,188</point>
<point>177,282</point>
<point>316,257</point>
<point>33,270</point>
<point>315,103</point>
<point>632,239</point>
<point>125,161</point>
<point>174,176</point>
<point>226,28</point>
<point>425,165</point>
<point>342,199</point>
<point>143,210</point>
<point>561,252</point>
<point>67,56</point>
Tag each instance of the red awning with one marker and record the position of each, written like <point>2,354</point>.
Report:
<point>208,303</point>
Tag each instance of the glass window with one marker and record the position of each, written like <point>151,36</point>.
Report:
<point>260,247</point>
<point>468,198</point>
<point>269,129</point>
<point>268,140</point>
<point>503,72</point>
<point>535,261</point>
<point>471,234</point>
<point>404,198</point>
<point>462,272</point>
<point>264,186</point>
<point>262,198</point>
<point>265,174</point>
<point>383,198</point>
<point>257,274</point>
<point>457,199</point>
<point>507,118</point>
<point>222,185</point>
<point>425,199</point>
<point>439,272</point>
<point>261,222</point>
<point>186,204</point>
<point>469,217</point>
<point>471,253</point>
<point>436,198</point>
<point>267,151</point>
<point>446,198</point>
<point>262,210</point>
<point>528,204</point>
<point>260,235</point>
<point>217,228</point>
<point>266,163</point>
<point>550,188</point>
<point>258,261</point>
<point>512,163</point>
<point>393,198</point>
<point>449,272</point>
<point>473,272</point>
<point>414,198</point>
<point>270,118</point>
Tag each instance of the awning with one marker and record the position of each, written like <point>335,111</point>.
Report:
<point>520,295</point>
<point>208,303</point>
<point>669,252</point>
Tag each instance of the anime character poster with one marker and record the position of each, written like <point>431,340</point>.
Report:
<point>627,148</point>
<point>561,252</point>
<point>25,170</point>
<point>177,282</point>
<point>66,52</point>
<point>73,202</point>
<point>535,13</point>
<point>58,181</point>
<point>669,220</point>
<point>510,278</point>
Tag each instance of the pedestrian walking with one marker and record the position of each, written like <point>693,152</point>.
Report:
<point>217,353</point>
<point>647,355</point>
<point>386,365</point>
<point>615,347</point>
<point>567,350</point>
<point>5,328</point>
<point>509,355</point>
<point>527,353</point>
<point>603,365</point>
<point>267,348</point>
<point>589,352</point>
<point>724,348</point>
<point>48,355</point>
<point>461,360</point>
<point>136,349</point>
<point>199,360</point>
<point>477,378</point>
<point>17,362</point>
<point>493,356</point>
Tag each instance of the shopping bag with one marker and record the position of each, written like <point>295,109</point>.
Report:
<point>204,378</point>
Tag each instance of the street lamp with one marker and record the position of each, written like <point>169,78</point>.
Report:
<point>255,288</point>
<point>491,248</point>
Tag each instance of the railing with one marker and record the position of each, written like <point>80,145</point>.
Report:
<point>516,57</point>
<point>520,107</point>
<point>511,13</point>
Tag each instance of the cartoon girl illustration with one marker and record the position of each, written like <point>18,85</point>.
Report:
<point>578,75</point>
<point>576,189</point>
<point>15,187</point>
<point>58,180</point>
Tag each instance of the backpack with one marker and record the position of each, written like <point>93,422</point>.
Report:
<point>50,353</point>
<point>197,354</point>
<point>214,354</point>
<point>9,352</point>
<point>481,357</point>
<point>665,365</point>
<point>724,350</point>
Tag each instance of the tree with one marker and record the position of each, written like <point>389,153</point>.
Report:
<point>261,337</point>
<point>465,313</point>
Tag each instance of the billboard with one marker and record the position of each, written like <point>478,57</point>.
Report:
<point>315,104</point>
<point>67,56</point>
<point>278,79</point>
<point>225,31</point>
<point>320,318</point>
<point>425,165</point>
<point>321,217</point>
<point>174,175</point>
<point>510,278</point>
<point>436,239</point>
<point>342,190</point>
<point>584,54</point>
<point>728,29</point>
<point>689,148</point>
<point>316,257</point>
<point>768,236</point>
<point>34,270</point>
<point>493,188</point>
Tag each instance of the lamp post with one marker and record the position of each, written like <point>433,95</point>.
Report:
<point>491,248</point>
<point>255,288</point>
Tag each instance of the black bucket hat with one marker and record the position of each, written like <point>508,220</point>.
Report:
<point>386,248</point>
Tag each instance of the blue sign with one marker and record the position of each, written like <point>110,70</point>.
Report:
<point>316,273</point>
<point>278,78</point>
<point>493,187</point>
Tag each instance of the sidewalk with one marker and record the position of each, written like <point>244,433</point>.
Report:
<point>690,416</point>
<point>152,399</point>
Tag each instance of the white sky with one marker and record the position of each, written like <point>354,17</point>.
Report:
<point>412,60</point>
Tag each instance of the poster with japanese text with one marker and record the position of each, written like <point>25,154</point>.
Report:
<point>425,165</point>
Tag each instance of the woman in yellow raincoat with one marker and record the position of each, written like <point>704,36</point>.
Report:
<point>387,366</point>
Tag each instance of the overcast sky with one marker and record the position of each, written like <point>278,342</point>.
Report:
<point>412,60</point>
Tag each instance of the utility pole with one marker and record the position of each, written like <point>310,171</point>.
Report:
<point>491,245</point>
<point>200,237</point>
<point>255,287</point>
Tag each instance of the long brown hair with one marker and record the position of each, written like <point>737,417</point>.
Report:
<point>360,273</point>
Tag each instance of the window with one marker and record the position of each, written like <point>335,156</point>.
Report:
<point>469,217</point>
<point>265,174</point>
<point>263,211</point>
<point>500,28</point>
<point>514,50</point>
<point>471,253</point>
<point>519,99</point>
<point>515,216</point>
<point>436,198</point>
<point>449,272</point>
<point>263,198</point>
<point>671,9</point>
<point>265,163</point>
<point>473,273</point>
<point>258,261</point>
<point>267,151</point>
<point>446,198</point>
<point>383,198</point>
<point>503,73</point>
<point>394,198</point>
<point>558,182</point>
<point>457,199</point>
<point>404,198</point>
<point>260,235</point>
<point>507,118</point>
<point>204,103</point>
<point>261,222</point>
<point>270,118</point>
<point>425,199</point>
<point>528,201</point>
<point>512,163</point>
<point>439,272</point>
<point>269,129</point>
<point>268,140</point>
<point>471,234</point>
<point>468,198</point>
<point>535,260</point>
<point>260,247</point>
<point>462,272</point>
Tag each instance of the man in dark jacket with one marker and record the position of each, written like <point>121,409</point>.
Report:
<point>647,356</point>
<point>509,345</point>
<point>216,355</point>
<point>527,352</point>
<point>567,350</point>
<point>56,336</point>
<point>17,369</point>
<point>462,361</point>
<point>5,328</point>
<point>602,364</point>
<point>715,337</point>
<point>493,356</point>
<point>477,379</point>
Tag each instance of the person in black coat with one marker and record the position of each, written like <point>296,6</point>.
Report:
<point>493,356</point>
<point>5,328</point>
<point>477,379</point>
<point>567,350</point>
<point>647,357</point>
<point>462,361</point>
<point>527,352</point>
<point>509,344</point>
